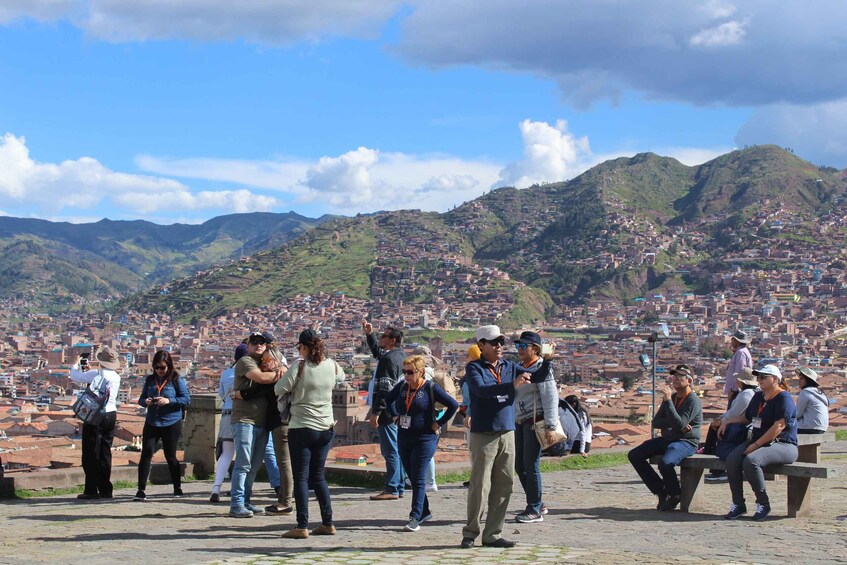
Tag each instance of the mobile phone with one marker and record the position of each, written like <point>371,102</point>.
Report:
<point>546,349</point>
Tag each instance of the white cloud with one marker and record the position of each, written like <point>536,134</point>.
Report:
<point>40,10</point>
<point>263,21</point>
<point>728,33</point>
<point>738,53</point>
<point>551,154</point>
<point>84,184</point>
<point>345,180</point>
<point>817,133</point>
<point>276,175</point>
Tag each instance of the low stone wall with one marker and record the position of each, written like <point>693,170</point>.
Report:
<point>75,477</point>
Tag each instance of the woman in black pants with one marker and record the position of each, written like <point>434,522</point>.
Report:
<point>165,396</point>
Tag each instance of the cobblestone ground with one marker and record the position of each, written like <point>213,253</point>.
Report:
<point>597,516</point>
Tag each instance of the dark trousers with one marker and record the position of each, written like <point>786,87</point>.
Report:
<point>170,438</point>
<point>97,455</point>
<point>672,452</point>
<point>416,450</point>
<point>308,449</point>
<point>578,444</point>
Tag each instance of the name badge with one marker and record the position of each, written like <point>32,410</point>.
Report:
<point>502,399</point>
<point>757,423</point>
<point>405,422</point>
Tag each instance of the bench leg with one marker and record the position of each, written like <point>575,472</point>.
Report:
<point>691,484</point>
<point>799,496</point>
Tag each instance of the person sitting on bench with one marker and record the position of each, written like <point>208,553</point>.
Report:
<point>679,418</point>
<point>774,441</point>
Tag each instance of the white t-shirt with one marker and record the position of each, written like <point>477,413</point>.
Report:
<point>112,377</point>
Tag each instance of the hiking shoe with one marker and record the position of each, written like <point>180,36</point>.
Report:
<point>544,509</point>
<point>425,518</point>
<point>528,517</point>
<point>385,496</point>
<point>716,478</point>
<point>139,496</point>
<point>762,511</point>
<point>296,533</point>
<point>178,493</point>
<point>241,512</point>
<point>324,530</point>
<point>467,543</point>
<point>254,509</point>
<point>215,496</point>
<point>466,484</point>
<point>663,498</point>
<point>671,503</point>
<point>412,526</point>
<point>736,510</point>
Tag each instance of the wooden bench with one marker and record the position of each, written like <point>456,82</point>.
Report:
<point>799,473</point>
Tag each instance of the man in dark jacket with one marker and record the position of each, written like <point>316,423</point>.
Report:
<point>679,419</point>
<point>389,369</point>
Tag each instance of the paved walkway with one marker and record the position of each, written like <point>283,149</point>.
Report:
<point>597,516</point>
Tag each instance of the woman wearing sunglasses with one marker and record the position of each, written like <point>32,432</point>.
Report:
<point>413,401</point>
<point>773,416</point>
<point>165,396</point>
<point>533,403</point>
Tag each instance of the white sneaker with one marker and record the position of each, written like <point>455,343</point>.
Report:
<point>432,488</point>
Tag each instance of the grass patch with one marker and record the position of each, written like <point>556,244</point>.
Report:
<point>44,493</point>
<point>841,435</point>
<point>551,465</point>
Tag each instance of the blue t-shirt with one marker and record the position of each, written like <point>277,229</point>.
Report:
<point>777,408</point>
<point>171,413</point>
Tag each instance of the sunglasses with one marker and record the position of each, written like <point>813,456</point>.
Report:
<point>409,372</point>
<point>521,346</point>
<point>161,367</point>
<point>762,377</point>
<point>499,341</point>
<point>257,341</point>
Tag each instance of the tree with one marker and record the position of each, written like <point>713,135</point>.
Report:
<point>627,381</point>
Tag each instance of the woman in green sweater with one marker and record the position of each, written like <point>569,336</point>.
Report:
<point>310,430</point>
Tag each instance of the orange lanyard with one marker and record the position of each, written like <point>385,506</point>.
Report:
<point>159,388</point>
<point>497,373</point>
<point>411,397</point>
<point>530,363</point>
<point>765,403</point>
<point>678,402</point>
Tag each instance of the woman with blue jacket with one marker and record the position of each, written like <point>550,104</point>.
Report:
<point>412,401</point>
<point>165,396</point>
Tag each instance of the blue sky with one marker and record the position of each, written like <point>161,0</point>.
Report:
<point>182,110</point>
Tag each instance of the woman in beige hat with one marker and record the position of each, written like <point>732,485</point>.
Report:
<point>97,439</point>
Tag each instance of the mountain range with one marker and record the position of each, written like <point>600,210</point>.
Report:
<point>56,264</point>
<point>622,228</point>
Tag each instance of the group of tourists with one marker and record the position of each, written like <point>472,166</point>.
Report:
<point>511,410</point>
<point>758,429</point>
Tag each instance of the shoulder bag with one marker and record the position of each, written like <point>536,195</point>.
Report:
<point>284,402</point>
<point>541,431</point>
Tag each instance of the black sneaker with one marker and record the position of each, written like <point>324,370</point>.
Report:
<point>178,493</point>
<point>735,511</point>
<point>467,543</point>
<point>670,504</point>
<point>762,511</point>
<point>716,478</point>
<point>139,496</point>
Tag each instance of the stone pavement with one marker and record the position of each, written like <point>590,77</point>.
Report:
<point>596,516</point>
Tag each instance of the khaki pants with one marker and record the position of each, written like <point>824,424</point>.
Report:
<point>283,461</point>
<point>492,469</point>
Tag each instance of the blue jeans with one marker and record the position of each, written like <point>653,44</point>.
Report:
<point>308,449</point>
<point>394,480</point>
<point>271,465</point>
<point>672,452</point>
<point>527,458</point>
<point>416,451</point>
<point>250,442</point>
